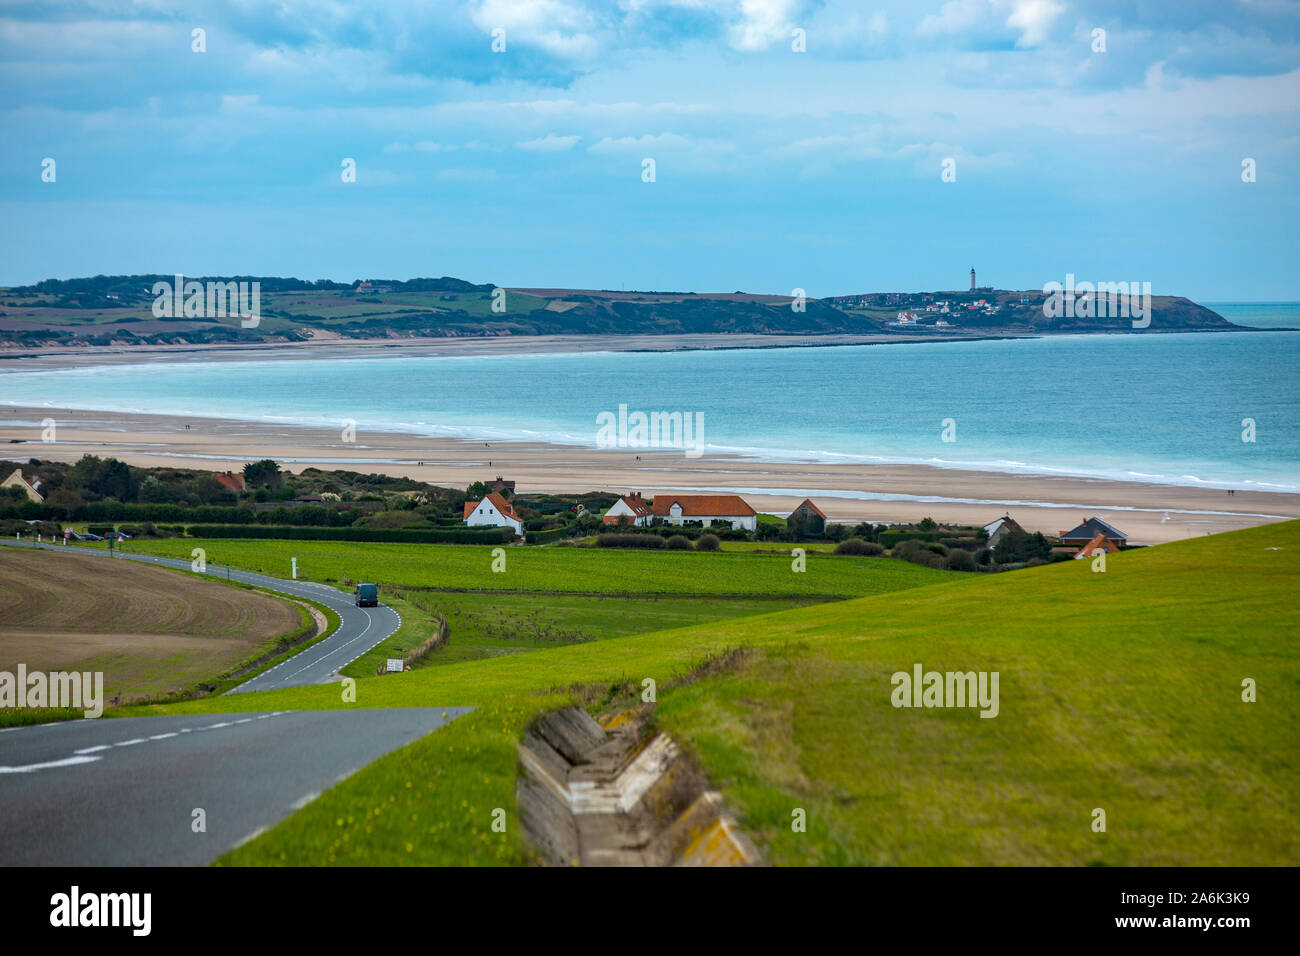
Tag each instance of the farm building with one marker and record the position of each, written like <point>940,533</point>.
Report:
<point>807,517</point>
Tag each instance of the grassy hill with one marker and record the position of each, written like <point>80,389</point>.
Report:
<point>1119,691</point>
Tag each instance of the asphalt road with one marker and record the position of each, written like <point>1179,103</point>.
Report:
<point>360,628</point>
<point>124,792</point>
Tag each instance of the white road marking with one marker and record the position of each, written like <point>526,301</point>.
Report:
<point>92,750</point>
<point>65,762</point>
<point>129,743</point>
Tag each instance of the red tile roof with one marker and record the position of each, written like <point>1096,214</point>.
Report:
<point>638,505</point>
<point>1101,542</point>
<point>232,481</point>
<point>728,506</point>
<point>502,506</point>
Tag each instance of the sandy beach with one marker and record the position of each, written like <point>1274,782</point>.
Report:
<point>1149,513</point>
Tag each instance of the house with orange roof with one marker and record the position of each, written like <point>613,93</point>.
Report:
<point>16,480</point>
<point>493,511</point>
<point>705,509</point>
<point>1099,543</point>
<point>631,509</point>
<point>232,481</point>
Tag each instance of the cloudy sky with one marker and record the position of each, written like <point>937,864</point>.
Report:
<point>773,168</point>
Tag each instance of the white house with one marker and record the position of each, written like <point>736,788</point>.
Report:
<point>679,509</point>
<point>629,510</point>
<point>16,480</point>
<point>494,511</point>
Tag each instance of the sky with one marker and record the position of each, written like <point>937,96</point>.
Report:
<point>796,144</point>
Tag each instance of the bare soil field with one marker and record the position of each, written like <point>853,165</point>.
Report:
<point>150,630</point>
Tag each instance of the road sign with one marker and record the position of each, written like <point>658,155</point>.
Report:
<point>396,665</point>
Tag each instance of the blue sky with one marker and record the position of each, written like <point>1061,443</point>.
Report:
<point>775,169</point>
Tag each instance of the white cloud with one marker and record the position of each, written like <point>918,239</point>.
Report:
<point>757,24</point>
<point>563,29</point>
<point>625,144</point>
<point>1033,18</point>
<point>550,143</point>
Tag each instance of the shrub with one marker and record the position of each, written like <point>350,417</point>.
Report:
<point>960,560</point>
<point>708,542</point>
<point>858,546</point>
<point>918,552</point>
<point>678,542</point>
<point>398,518</point>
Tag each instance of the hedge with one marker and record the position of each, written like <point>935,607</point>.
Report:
<point>310,533</point>
<point>546,537</point>
<point>891,538</point>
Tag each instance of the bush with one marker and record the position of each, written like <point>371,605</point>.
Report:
<point>398,518</point>
<point>629,541</point>
<point>1017,547</point>
<point>858,546</point>
<point>708,542</point>
<point>678,542</point>
<point>918,552</point>
<point>960,560</point>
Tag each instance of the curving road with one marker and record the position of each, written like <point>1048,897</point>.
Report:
<point>181,790</point>
<point>360,628</point>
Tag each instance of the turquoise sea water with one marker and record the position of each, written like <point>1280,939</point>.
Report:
<point>1165,408</point>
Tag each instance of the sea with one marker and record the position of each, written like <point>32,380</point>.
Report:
<point>1203,409</point>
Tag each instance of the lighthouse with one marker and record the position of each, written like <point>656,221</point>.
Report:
<point>972,278</point>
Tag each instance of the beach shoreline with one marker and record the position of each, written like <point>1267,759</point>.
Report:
<point>1149,512</point>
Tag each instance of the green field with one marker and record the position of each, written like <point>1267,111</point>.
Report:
<point>496,624</point>
<point>1119,691</point>
<point>571,570</point>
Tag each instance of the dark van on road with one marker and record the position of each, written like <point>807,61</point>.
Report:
<point>367,595</point>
